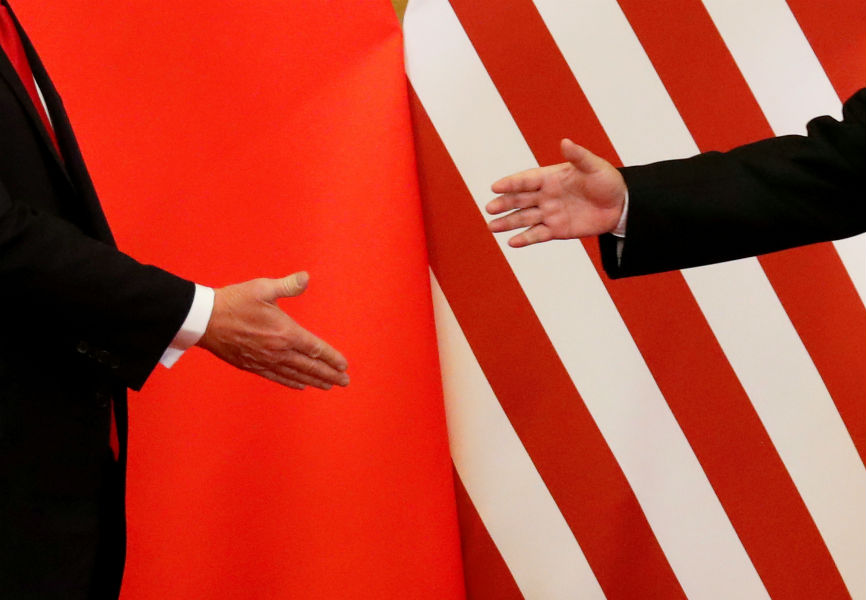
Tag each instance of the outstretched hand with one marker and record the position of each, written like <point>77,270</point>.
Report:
<point>579,198</point>
<point>248,330</point>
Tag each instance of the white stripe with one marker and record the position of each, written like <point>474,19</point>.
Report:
<point>792,87</point>
<point>516,507</point>
<point>794,406</point>
<point>787,80</point>
<point>757,337</point>
<point>775,58</point>
<point>617,77</point>
<point>852,251</point>
<point>581,320</point>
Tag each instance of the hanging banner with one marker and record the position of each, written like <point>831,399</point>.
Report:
<point>697,434</point>
<point>233,140</point>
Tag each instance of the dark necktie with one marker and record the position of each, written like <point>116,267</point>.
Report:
<point>14,49</point>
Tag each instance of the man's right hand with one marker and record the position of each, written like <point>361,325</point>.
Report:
<point>248,330</point>
<point>579,198</point>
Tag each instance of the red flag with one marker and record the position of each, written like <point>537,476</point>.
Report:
<point>232,140</point>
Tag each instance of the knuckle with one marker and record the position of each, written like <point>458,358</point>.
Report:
<point>316,350</point>
<point>247,361</point>
<point>274,344</point>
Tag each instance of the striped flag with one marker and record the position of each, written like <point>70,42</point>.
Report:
<point>696,434</point>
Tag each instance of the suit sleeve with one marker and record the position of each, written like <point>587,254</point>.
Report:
<point>770,195</point>
<point>86,296</point>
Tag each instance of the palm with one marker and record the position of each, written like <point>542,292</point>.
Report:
<point>574,199</point>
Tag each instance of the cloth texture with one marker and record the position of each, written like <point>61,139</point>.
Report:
<point>81,322</point>
<point>762,197</point>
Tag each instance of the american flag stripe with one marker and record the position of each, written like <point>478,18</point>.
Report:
<point>706,85</point>
<point>539,104</point>
<point>612,377</point>
<point>828,327</point>
<point>486,298</point>
<point>787,65</point>
<point>740,461</point>
<point>709,86</point>
<point>735,298</point>
<point>485,573</point>
<point>788,82</point>
<point>824,24</point>
<point>483,436</point>
<point>791,87</point>
<point>792,403</point>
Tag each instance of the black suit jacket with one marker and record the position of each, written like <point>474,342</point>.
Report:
<point>770,195</point>
<point>79,323</point>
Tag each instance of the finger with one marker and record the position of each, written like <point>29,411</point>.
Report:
<point>316,348</point>
<point>291,377</point>
<point>286,381</point>
<point>526,217</point>
<point>506,202</point>
<point>582,159</point>
<point>533,235</point>
<point>287,287</point>
<point>301,377</point>
<point>525,181</point>
<point>315,368</point>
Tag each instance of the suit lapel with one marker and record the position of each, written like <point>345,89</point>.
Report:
<point>73,166</point>
<point>8,73</point>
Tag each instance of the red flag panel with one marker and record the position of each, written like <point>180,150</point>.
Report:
<point>231,140</point>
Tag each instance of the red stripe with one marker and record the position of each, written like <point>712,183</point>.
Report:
<point>691,65</point>
<point>816,291</point>
<point>835,30</point>
<point>832,326</point>
<point>534,388</point>
<point>709,403</point>
<point>486,574</point>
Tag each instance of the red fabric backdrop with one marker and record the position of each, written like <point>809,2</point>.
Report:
<point>231,140</point>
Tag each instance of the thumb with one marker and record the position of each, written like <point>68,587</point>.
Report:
<point>582,159</point>
<point>290,286</point>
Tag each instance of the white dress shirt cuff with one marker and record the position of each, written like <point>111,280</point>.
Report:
<point>193,326</point>
<point>619,230</point>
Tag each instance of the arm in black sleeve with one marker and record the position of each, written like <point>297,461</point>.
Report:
<point>766,196</point>
<point>84,295</point>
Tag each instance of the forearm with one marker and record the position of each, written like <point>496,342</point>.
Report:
<point>758,198</point>
<point>101,302</point>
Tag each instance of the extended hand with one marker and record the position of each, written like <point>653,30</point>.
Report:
<point>578,198</point>
<point>248,330</point>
